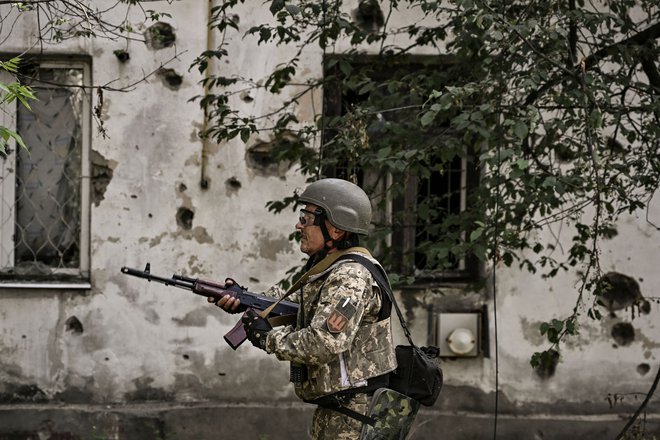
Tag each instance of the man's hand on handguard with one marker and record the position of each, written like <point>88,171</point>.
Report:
<point>227,303</point>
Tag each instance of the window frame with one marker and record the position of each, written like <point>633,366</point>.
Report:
<point>470,269</point>
<point>69,278</point>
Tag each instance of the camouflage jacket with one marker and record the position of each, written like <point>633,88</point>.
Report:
<point>338,335</point>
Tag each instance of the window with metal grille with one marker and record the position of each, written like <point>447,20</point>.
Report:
<point>44,198</point>
<point>420,198</point>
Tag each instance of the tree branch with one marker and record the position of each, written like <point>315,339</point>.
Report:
<point>649,34</point>
<point>641,407</point>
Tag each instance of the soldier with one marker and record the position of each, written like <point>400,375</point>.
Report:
<point>341,347</point>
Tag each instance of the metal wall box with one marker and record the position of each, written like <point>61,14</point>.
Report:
<point>459,334</point>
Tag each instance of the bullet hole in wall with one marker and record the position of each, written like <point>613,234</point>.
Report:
<point>233,184</point>
<point>184,218</point>
<point>74,325</point>
<point>122,55</point>
<point>563,152</point>
<point>615,146</point>
<point>619,291</point>
<point>159,36</point>
<point>102,171</point>
<point>609,231</point>
<point>259,155</point>
<point>623,333</point>
<point>368,15</point>
<point>170,78</point>
<point>642,369</point>
<point>263,156</point>
<point>247,95</point>
<point>548,364</point>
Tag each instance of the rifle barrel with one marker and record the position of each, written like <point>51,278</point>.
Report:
<point>184,284</point>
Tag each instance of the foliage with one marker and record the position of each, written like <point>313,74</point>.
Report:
<point>554,103</point>
<point>10,93</point>
<point>61,20</point>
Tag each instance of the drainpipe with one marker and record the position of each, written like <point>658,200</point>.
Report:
<point>203,181</point>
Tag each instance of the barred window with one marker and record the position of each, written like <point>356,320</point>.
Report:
<point>44,199</point>
<point>419,198</point>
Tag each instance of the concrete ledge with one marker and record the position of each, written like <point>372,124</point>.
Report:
<point>200,421</point>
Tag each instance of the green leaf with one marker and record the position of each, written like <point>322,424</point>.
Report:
<point>520,130</point>
<point>6,134</point>
<point>496,35</point>
<point>264,34</point>
<point>474,235</point>
<point>522,164</point>
<point>345,67</point>
<point>292,9</point>
<point>427,118</point>
<point>276,6</point>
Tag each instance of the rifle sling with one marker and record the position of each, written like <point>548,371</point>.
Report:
<point>277,321</point>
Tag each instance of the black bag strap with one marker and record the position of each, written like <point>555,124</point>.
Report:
<point>332,402</point>
<point>379,276</point>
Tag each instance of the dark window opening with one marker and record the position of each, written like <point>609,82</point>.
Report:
<point>421,197</point>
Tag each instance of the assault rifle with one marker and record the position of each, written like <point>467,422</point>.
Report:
<point>287,310</point>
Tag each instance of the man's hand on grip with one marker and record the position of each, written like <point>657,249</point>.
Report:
<point>256,328</point>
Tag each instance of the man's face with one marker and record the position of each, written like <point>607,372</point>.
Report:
<point>311,237</point>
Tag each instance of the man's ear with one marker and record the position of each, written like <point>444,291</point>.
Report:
<point>335,233</point>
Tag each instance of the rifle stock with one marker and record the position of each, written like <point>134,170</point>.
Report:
<point>283,313</point>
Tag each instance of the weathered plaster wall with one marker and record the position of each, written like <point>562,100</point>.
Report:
<point>125,339</point>
<point>130,359</point>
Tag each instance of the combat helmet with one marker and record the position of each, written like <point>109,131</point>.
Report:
<point>345,204</point>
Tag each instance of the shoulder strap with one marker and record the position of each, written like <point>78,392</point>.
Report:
<point>325,263</point>
<point>379,276</point>
<point>315,270</point>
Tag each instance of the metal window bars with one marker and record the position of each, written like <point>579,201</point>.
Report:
<point>42,199</point>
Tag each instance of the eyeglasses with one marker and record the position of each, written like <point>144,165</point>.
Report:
<point>308,218</point>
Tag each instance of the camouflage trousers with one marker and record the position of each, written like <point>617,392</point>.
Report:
<point>394,414</point>
<point>328,424</point>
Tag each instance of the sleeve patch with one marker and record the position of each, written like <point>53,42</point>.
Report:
<point>340,316</point>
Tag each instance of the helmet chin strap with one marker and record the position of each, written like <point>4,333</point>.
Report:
<point>320,222</point>
<point>326,237</point>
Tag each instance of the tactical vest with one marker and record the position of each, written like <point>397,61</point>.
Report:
<point>371,353</point>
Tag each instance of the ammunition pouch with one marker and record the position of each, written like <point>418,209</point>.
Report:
<point>298,373</point>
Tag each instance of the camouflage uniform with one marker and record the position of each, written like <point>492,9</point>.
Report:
<point>339,339</point>
<point>328,424</point>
